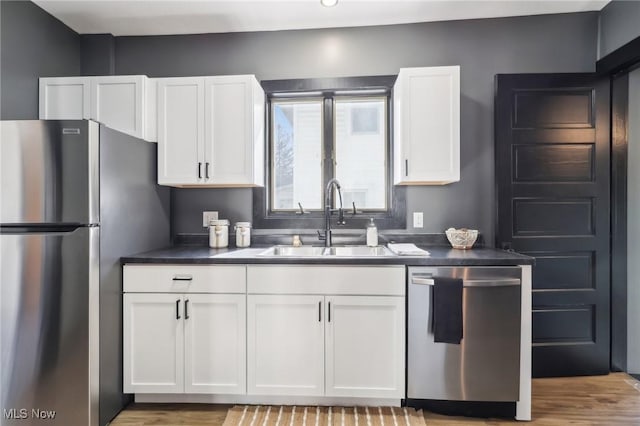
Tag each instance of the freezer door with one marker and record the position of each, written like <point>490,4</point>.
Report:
<point>49,302</point>
<point>49,172</point>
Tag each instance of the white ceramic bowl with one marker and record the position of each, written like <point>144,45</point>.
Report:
<point>462,238</point>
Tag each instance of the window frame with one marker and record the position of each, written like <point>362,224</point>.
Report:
<point>394,217</point>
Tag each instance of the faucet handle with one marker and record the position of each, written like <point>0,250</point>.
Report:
<point>321,236</point>
<point>301,209</point>
<point>354,211</point>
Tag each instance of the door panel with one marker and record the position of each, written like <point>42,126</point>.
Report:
<point>153,343</point>
<point>365,346</point>
<point>48,170</point>
<point>64,98</point>
<point>285,345</point>
<point>215,343</point>
<point>180,131</point>
<point>45,295</point>
<point>229,130</point>
<point>552,171</point>
<point>118,102</point>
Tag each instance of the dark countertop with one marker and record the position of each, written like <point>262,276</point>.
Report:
<point>440,256</point>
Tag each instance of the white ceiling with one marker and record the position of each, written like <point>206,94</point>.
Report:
<point>153,17</point>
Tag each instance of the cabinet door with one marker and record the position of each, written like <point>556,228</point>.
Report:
<point>229,141</point>
<point>365,338</point>
<point>180,131</point>
<point>285,345</point>
<point>153,333</point>
<point>427,125</point>
<point>64,98</point>
<point>119,102</point>
<point>215,343</point>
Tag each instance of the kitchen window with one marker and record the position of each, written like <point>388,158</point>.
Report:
<point>321,133</point>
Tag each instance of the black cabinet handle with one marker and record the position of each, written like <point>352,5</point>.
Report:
<point>406,167</point>
<point>199,170</point>
<point>329,311</point>
<point>178,309</point>
<point>206,170</point>
<point>319,311</point>
<point>182,278</point>
<point>186,309</point>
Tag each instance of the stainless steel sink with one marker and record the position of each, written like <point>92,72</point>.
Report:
<point>358,251</point>
<point>335,251</point>
<point>292,251</point>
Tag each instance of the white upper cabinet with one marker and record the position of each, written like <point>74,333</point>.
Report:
<point>234,132</point>
<point>426,104</point>
<point>181,131</point>
<point>124,103</point>
<point>65,98</point>
<point>211,131</point>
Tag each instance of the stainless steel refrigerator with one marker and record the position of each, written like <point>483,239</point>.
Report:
<point>75,196</point>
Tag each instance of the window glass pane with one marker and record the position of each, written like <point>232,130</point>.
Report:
<point>360,132</point>
<point>297,154</point>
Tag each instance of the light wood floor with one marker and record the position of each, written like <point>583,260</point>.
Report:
<point>600,400</point>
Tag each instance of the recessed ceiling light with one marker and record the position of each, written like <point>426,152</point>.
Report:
<point>328,3</point>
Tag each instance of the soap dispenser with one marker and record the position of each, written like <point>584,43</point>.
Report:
<point>372,234</point>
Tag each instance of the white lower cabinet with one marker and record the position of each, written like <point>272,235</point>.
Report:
<point>285,345</point>
<point>265,330</point>
<point>153,342</point>
<point>364,346</point>
<point>184,342</point>
<point>215,344</point>
<point>338,345</point>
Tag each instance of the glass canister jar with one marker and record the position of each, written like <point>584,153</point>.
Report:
<point>243,234</point>
<point>219,233</point>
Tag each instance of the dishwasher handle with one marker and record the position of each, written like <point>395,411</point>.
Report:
<point>478,282</point>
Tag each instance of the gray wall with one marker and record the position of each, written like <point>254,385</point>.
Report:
<point>619,24</point>
<point>633,213</point>
<point>33,44</point>
<point>483,48</point>
<point>98,54</point>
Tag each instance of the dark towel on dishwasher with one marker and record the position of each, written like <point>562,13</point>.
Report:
<point>447,310</point>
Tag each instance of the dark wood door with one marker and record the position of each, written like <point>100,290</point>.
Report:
<point>552,176</point>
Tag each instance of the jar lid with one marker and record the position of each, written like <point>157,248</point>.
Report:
<point>219,222</point>
<point>243,224</point>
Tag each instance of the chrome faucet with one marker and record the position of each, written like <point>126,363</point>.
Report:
<point>326,237</point>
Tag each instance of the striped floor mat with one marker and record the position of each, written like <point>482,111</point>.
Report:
<point>269,415</point>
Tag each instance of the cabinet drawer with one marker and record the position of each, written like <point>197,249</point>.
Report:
<point>184,279</point>
<point>307,279</point>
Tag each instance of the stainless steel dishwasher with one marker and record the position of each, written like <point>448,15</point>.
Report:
<point>485,366</point>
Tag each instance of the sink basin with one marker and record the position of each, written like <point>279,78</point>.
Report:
<point>359,251</point>
<point>292,251</point>
<point>335,251</point>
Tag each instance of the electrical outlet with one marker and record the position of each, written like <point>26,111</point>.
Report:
<point>417,220</point>
<point>208,217</point>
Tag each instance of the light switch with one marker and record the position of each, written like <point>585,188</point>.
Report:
<point>417,220</point>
